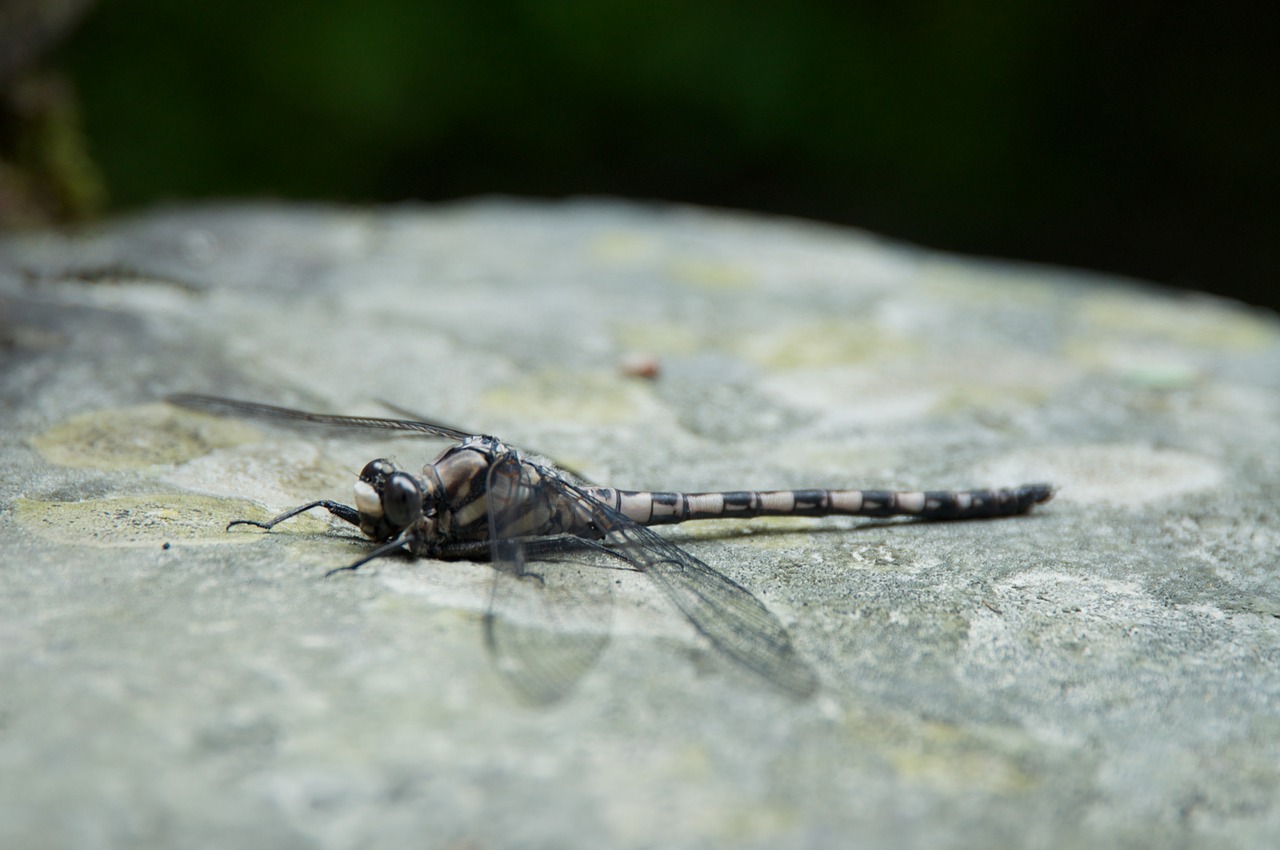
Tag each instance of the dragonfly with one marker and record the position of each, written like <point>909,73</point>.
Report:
<point>482,499</point>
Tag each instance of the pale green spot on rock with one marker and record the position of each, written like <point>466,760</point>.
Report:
<point>948,758</point>
<point>1198,322</point>
<point>710,274</point>
<point>624,248</point>
<point>823,343</point>
<point>662,339</point>
<point>1147,364</point>
<point>132,437</point>
<point>146,520</point>
<point>1162,375</point>
<point>597,397</point>
<point>988,400</point>
<point>982,285</point>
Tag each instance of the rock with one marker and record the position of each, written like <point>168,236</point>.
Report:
<point>1098,672</point>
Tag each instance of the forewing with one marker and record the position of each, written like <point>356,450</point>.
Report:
<point>219,406</point>
<point>548,620</point>
<point>577,477</point>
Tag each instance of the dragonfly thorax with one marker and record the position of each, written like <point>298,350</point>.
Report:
<point>389,500</point>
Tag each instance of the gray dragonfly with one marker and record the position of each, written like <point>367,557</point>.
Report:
<point>482,499</point>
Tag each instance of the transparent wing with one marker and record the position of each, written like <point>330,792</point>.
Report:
<point>548,621</point>
<point>540,457</point>
<point>219,406</point>
<point>735,622</point>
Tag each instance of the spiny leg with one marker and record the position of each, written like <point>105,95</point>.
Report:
<point>383,550</point>
<point>472,551</point>
<point>341,511</point>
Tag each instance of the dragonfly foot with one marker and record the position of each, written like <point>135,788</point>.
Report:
<point>266,526</point>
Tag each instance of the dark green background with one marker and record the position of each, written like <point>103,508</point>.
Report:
<point>1140,138</point>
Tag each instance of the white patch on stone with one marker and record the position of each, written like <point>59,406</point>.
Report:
<point>1122,475</point>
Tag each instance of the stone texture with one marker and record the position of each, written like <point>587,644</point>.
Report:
<point>1099,673</point>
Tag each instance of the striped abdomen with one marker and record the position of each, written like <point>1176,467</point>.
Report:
<point>658,508</point>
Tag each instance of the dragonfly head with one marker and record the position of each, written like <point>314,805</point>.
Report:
<point>389,501</point>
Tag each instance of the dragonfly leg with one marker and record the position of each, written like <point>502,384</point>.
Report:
<point>396,545</point>
<point>341,511</point>
<point>472,550</point>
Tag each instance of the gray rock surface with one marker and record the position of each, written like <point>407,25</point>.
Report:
<point>1102,672</point>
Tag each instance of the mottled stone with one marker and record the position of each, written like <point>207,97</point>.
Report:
<point>1101,672</point>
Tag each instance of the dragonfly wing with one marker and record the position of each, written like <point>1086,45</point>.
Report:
<point>728,614</point>
<point>577,477</point>
<point>548,620</point>
<point>219,406</point>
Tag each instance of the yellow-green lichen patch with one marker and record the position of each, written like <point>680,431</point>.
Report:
<point>625,247</point>
<point>835,465</point>
<point>1162,375</point>
<point>710,274</point>
<point>1153,365</point>
<point>824,343</point>
<point>975,284</point>
<point>983,381</point>
<point>662,339</point>
<point>131,437</point>
<point>945,756</point>
<point>145,520</point>
<point>769,823</point>
<point>941,755</point>
<point>1200,323</point>
<point>991,401</point>
<point>856,397</point>
<point>597,397</point>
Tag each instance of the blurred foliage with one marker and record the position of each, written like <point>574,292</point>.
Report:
<point>46,174</point>
<point>1138,137</point>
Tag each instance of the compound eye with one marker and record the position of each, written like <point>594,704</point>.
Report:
<point>376,470</point>
<point>401,500</point>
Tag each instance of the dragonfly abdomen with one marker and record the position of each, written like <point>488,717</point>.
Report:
<point>657,508</point>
